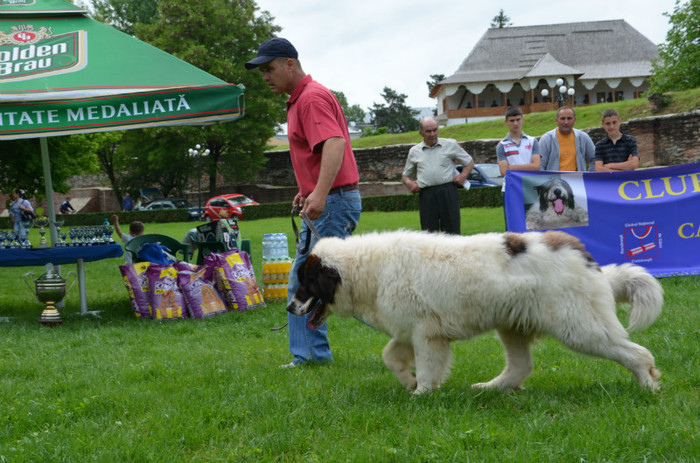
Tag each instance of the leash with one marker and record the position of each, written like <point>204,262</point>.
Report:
<point>313,230</point>
<point>309,225</point>
<point>297,240</point>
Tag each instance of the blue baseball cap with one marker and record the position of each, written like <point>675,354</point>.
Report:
<point>275,47</point>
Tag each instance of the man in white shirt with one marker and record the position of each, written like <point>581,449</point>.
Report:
<point>431,163</point>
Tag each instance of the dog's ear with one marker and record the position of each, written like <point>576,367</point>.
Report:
<point>570,203</point>
<point>542,195</point>
<point>318,280</point>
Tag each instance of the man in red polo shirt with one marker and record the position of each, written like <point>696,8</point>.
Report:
<point>324,167</point>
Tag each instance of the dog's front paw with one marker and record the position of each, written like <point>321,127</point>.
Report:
<point>498,386</point>
<point>650,381</point>
<point>483,385</point>
<point>420,390</point>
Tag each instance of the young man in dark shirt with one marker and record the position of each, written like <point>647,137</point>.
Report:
<point>617,151</point>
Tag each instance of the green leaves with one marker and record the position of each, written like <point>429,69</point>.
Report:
<point>679,66</point>
<point>217,36</point>
<point>395,115</point>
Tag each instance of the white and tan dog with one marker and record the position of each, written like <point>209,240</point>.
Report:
<point>427,290</point>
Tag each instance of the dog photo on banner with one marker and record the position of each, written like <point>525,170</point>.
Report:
<point>555,201</point>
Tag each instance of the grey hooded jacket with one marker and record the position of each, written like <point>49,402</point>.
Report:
<point>585,151</point>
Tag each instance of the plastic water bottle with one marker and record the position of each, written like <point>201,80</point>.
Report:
<point>273,246</point>
<point>284,247</point>
<point>267,244</point>
<point>277,247</point>
<point>267,257</point>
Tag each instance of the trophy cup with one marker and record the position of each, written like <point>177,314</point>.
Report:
<point>108,231</point>
<point>60,241</point>
<point>50,289</point>
<point>40,223</point>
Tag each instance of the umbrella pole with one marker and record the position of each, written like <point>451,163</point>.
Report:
<point>51,213</point>
<point>52,228</point>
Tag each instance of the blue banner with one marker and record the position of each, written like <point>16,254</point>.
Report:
<point>648,217</point>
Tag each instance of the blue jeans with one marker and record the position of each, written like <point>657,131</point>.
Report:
<point>339,218</point>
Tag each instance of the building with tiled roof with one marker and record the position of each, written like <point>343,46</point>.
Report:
<point>598,61</point>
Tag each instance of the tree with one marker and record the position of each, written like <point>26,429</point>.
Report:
<point>679,66</point>
<point>105,147</point>
<point>123,14</point>
<point>501,20</point>
<point>217,36</point>
<point>353,113</point>
<point>21,164</point>
<point>155,158</point>
<point>434,80</point>
<point>395,115</point>
<point>131,160</point>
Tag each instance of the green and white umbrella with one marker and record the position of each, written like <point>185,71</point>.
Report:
<point>63,73</point>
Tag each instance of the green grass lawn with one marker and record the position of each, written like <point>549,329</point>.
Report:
<point>118,389</point>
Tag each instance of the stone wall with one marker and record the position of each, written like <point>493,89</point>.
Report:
<point>662,141</point>
<point>95,199</point>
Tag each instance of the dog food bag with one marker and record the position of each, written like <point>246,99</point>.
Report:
<point>181,266</point>
<point>136,283</point>
<point>198,289</point>
<point>167,301</point>
<point>236,276</point>
<point>211,262</point>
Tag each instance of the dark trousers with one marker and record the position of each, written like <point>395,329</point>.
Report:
<point>439,209</point>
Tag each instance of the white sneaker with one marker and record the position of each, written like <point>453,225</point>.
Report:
<point>289,365</point>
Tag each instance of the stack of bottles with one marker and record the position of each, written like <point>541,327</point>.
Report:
<point>276,265</point>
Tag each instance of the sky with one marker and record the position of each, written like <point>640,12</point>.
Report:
<point>359,47</point>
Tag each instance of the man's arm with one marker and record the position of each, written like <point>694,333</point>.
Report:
<point>23,206</point>
<point>589,151</point>
<point>503,167</point>
<point>459,179</point>
<point>409,171</point>
<point>467,162</point>
<point>412,185</point>
<point>534,164</point>
<point>115,222</point>
<point>631,163</point>
<point>501,159</point>
<point>545,146</point>
<point>332,155</point>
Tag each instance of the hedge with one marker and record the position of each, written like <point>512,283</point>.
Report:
<point>476,197</point>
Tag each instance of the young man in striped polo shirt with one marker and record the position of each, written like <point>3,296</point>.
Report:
<point>517,150</point>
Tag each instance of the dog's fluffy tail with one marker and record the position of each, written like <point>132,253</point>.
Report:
<point>634,285</point>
